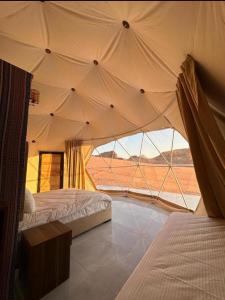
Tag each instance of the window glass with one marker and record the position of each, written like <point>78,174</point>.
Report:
<point>154,163</point>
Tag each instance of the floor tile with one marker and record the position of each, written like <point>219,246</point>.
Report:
<point>103,258</point>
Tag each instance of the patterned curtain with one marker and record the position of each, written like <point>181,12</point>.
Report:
<point>14,99</point>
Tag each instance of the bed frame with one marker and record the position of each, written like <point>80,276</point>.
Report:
<point>78,226</point>
<point>86,223</point>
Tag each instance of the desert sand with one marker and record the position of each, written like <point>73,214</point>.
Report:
<point>125,173</point>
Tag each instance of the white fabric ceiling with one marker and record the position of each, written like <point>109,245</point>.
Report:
<point>147,55</point>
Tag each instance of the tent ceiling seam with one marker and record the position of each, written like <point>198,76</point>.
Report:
<point>38,64</point>
<point>44,26</point>
<point>78,14</point>
<point>26,5</point>
<point>130,131</point>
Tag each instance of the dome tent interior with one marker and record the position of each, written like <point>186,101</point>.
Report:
<point>82,56</point>
<point>126,100</point>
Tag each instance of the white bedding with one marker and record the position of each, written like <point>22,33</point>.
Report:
<point>186,261</point>
<point>64,205</point>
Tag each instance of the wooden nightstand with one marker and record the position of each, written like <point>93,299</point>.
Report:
<point>45,259</point>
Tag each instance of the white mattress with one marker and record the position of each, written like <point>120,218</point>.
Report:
<point>186,261</point>
<point>64,205</point>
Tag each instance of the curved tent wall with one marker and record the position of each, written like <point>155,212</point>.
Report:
<point>107,69</point>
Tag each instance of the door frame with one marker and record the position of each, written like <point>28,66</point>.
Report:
<point>61,167</point>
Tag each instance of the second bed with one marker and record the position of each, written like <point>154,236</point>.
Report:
<point>80,210</point>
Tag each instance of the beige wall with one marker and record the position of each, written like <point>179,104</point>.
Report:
<point>32,174</point>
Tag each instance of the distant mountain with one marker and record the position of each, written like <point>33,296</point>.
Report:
<point>109,154</point>
<point>180,156</point>
<point>143,159</point>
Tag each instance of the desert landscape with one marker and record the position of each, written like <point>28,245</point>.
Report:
<point>143,173</point>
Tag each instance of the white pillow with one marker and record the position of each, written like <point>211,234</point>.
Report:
<point>29,202</point>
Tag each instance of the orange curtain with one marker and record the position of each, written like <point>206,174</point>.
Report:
<point>77,156</point>
<point>205,137</point>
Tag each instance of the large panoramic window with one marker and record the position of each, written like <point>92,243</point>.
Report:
<point>157,163</point>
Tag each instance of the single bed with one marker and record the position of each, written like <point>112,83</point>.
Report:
<point>80,210</point>
<point>186,261</point>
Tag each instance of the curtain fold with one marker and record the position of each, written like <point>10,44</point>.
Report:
<point>77,157</point>
<point>206,141</point>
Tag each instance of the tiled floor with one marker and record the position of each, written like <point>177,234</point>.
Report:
<point>103,258</point>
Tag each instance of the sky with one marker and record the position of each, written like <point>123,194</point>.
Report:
<point>131,145</point>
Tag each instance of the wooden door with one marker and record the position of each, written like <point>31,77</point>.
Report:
<point>51,165</point>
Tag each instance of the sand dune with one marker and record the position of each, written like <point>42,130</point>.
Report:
<point>126,173</point>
